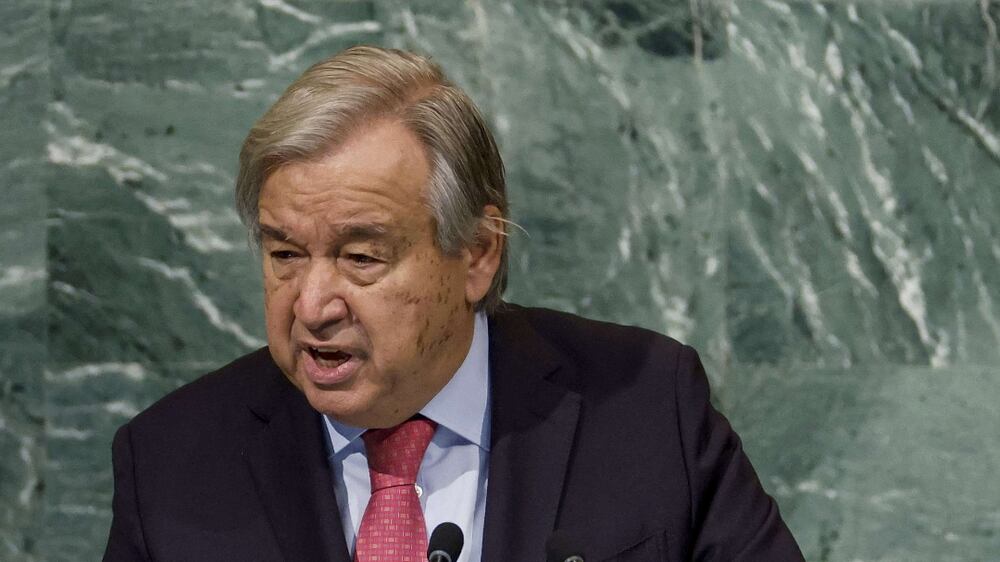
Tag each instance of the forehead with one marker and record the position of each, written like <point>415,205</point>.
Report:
<point>378,175</point>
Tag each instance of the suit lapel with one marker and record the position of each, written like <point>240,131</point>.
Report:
<point>287,459</point>
<point>533,425</point>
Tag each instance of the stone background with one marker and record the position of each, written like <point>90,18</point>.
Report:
<point>805,191</point>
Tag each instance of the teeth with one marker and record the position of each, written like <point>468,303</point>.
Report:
<point>327,350</point>
<point>329,358</point>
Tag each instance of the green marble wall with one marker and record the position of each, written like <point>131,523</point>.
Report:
<point>24,87</point>
<point>805,191</point>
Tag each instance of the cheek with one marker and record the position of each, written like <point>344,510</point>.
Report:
<point>436,338</point>
<point>414,311</point>
<point>279,301</point>
<point>271,287</point>
<point>441,302</point>
<point>414,316</point>
<point>269,292</point>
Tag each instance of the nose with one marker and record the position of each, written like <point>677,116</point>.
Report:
<point>320,305</point>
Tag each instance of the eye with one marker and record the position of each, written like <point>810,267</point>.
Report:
<point>361,259</point>
<point>283,255</point>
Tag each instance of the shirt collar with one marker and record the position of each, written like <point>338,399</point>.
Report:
<point>462,406</point>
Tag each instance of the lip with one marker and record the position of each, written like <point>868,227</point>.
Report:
<point>328,376</point>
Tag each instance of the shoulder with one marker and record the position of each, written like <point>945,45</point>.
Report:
<point>605,363</point>
<point>216,400</point>
<point>603,355</point>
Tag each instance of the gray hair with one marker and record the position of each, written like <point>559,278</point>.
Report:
<point>335,97</point>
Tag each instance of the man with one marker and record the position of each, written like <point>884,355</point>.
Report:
<point>397,391</point>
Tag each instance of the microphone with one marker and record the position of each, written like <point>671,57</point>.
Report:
<point>445,543</point>
<point>561,548</point>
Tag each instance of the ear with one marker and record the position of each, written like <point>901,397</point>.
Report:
<point>484,254</point>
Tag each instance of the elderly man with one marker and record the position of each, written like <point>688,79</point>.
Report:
<point>398,392</point>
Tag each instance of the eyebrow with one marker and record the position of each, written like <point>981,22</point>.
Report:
<point>360,230</point>
<point>274,233</point>
<point>347,230</point>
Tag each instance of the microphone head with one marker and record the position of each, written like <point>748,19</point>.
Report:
<point>563,546</point>
<point>445,543</point>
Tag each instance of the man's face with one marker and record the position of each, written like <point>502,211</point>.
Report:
<point>364,313</point>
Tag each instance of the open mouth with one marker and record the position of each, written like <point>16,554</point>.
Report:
<point>329,358</point>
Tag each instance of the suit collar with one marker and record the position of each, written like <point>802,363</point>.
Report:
<point>533,426</point>
<point>286,457</point>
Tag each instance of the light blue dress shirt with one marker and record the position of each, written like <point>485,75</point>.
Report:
<point>453,475</point>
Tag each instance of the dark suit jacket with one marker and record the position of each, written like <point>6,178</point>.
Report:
<point>602,431</point>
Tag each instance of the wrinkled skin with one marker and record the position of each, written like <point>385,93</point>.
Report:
<point>364,312</point>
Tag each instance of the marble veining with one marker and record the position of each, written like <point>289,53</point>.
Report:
<point>805,191</point>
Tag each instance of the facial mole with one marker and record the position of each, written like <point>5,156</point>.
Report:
<point>408,298</point>
<point>421,337</point>
<point>445,337</point>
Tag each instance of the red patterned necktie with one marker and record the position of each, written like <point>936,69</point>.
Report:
<point>393,527</point>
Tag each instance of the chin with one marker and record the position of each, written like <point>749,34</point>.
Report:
<point>345,406</point>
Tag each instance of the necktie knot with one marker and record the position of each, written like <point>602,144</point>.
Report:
<point>394,453</point>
